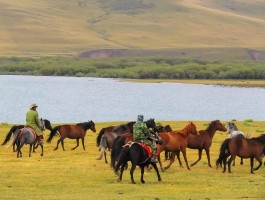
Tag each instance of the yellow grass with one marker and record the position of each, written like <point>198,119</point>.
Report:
<point>64,27</point>
<point>78,175</point>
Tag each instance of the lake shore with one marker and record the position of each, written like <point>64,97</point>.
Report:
<point>231,83</point>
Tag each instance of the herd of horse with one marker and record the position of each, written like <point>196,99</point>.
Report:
<point>119,141</point>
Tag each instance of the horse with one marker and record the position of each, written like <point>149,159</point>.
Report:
<point>107,135</point>
<point>161,129</point>
<point>175,142</point>
<point>72,131</point>
<point>138,155</point>
<point>244,148</point>
<point>234,132</point>
<point>46,123</point>
<point>204,140</point>
<point>26,135</point>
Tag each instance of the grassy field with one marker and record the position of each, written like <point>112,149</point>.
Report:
<point>78,175</point>
<point>48,27</point>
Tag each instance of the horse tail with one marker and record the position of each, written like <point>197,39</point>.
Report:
<point>14,138</point>
<point>100,135</point>
<point>122,158</point>
<point>53,132</point>
<point>223,152</point>
<point>116,149</point>
<point>9,134</point>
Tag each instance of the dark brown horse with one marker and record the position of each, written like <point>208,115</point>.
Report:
<point>175,142</point>
<point>204,140</point>
<point>243,148</point>
<point>73,131</point>
<point>107,135</point>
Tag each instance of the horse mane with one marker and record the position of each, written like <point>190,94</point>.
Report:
<point>261,138</point>
<point>212,125</point>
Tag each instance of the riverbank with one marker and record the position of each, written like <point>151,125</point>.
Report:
<point>231,83</point>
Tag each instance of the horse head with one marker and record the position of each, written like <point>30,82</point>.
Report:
<point>150,123</point>
<point>92,126</point>
<point>42,125</point>
<point>47,124</point>
<point>219,126</point>
<point>191,128</point>
<point>231,126</point>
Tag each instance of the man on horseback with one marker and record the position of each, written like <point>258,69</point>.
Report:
<point>33,121</point>
<point>141,134</point>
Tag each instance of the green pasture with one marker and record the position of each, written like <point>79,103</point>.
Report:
<point>78,175</point>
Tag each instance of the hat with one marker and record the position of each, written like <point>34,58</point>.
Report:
<point>33,105</point>
<point>140,118</point>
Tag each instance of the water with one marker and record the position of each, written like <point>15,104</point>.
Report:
<point>71,99</point>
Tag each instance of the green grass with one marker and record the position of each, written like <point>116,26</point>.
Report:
<point>78,175</point>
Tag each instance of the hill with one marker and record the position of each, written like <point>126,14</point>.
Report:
<point>48,27</point>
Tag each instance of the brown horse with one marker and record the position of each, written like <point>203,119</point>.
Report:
<point>244,148</point>
<point>175,142</point>
<point>204,140</point>
<point>107,135</point>
<point>73,131</point>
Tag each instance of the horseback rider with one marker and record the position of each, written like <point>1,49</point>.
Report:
<point>141,134</point>
<point>33,121</point>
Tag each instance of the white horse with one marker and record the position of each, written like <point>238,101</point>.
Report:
<point>234,132</point>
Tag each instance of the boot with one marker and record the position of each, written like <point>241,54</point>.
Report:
<point>153,159</point>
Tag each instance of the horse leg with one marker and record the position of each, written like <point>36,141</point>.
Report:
<point>30,149</point>
<point>83,143</point>
<point>178,156</point>
<point>77,144</point>
<point>121,172</point>
<point>58,142</point>
<point>157,172</point>
<point>230,161</point>
<point>160,163</point>
<point>241,162</point>
<point>142,174</point>
<point>19,152</point>
<point>258,158</point>
<point>131,172</point>
<point>200,156</point>
<point>62,143</point>
<point>208,157</point>
<point>172,159</point>
<point>105,156</point>
<point>41,145</point>
<point>185,158</point>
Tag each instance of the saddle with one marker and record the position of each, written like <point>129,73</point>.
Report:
<point>31,130</point>
<point>144,146</point>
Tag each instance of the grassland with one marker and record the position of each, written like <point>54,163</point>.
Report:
<point>49,27</point>
<point>78,175</point>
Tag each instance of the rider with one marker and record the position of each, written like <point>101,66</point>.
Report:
<point>33,121</point>
<point>141,134</point>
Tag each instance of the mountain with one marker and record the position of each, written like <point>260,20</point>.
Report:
<point>59,27</point>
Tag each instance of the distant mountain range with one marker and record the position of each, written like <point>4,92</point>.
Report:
<point>105,28</point>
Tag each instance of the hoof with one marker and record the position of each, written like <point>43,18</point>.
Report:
<point>133,182</point>
<point>143,181</point>
<point>118,180</point>
<point>159,179</point>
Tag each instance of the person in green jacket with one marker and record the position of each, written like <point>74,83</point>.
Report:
<point>33,121</point>
<point>141,134</point>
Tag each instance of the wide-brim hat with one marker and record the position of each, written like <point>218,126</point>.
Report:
<point>33,105</point>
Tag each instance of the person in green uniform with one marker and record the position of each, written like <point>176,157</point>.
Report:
<point>33,121</point>
<point>141,134</point>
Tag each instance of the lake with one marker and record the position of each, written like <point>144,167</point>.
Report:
<point>72,99</point>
